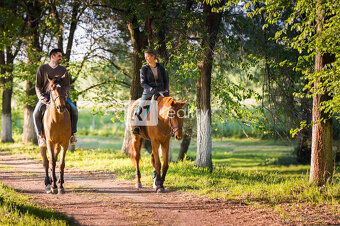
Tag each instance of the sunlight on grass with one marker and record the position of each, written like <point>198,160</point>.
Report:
<point>16,210</point>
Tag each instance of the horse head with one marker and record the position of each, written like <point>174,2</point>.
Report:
<point>176,116</point>
<point>57,93</point>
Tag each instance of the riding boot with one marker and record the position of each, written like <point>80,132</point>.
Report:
<point>136,130</point>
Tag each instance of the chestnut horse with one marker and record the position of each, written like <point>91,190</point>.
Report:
<point>170,123</point>
<point>57,131</point>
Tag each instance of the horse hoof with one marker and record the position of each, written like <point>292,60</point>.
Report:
<point>54,190</point>
<point>48,189</point>
<point>61,191</point>
<point>160,190</point>
<point>139,185</point>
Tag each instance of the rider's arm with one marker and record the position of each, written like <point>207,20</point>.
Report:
<point>143,79</point>
<point>39,84</point>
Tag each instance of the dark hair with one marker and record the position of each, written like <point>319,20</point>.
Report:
<point>152,52</point>
<point>54,51</point>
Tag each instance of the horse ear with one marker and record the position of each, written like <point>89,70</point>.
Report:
<point>64,76</point>
<point>181,103</point>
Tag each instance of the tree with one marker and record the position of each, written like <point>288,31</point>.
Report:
<point>322,139</point>
<point>9,47</point>
<point>34,11</point>
<point>211,26</point>
<point>318,28</point>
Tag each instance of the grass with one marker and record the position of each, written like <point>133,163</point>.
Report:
<point>15,209</point>
<point>244,170</point>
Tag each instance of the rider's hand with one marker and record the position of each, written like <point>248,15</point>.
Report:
<point>150,89</point>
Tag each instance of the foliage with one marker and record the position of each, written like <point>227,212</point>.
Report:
<point>302,21</point>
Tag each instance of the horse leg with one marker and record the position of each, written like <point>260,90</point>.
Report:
<point>135,148</point>
<point>45,164</point>
<point>50,147</point>
<point>154,173</point>
<point>155,161</point>
<point>61,169</point>
<point>165,156</point>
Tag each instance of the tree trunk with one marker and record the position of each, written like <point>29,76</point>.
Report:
<point>6,114</point>
<point>211,26</point>
<point>139,42</point>
<point>73,26</point>
<point>6,93</point>
<point>185,144</point>
<point>322,134</point>
<point>29,134</point>
<point>34,12</point>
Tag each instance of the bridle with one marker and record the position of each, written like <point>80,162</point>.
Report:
<point>173,130</point>
<point>53,100</point>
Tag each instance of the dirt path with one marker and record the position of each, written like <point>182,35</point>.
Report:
<point>98,199</point>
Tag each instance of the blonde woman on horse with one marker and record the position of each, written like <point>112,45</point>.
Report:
<point>45,72</point>
<point>153,79</point>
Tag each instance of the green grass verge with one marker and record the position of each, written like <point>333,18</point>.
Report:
<point>15,209</point>
<point>244,171</point>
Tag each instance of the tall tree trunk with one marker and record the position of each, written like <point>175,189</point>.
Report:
<point>6,93</point>
<point>34,11</point>
<point>322,134</point>
<point>6,114</point>
<point>211,26</point>
<point>139,42</point>
<point>73,27</point>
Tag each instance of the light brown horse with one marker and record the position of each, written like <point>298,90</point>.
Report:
<point>170,123</point>
<point>57,131</point>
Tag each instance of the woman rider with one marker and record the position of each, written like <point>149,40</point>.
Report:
<point>153,79</point>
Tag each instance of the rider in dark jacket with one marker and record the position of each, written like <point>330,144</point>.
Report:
<point>153,79</point>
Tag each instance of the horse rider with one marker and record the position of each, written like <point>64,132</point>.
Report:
<point>153,79</point>
<point>51,70</point>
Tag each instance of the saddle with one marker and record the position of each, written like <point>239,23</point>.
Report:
<point>143,130</point>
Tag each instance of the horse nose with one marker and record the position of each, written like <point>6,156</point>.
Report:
<point>178,137</point>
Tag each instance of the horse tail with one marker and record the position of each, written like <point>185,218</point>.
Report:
<point>135,147</point>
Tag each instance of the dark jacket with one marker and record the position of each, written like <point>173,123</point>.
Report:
<point>147,78</point>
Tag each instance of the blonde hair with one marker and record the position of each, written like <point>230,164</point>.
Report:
<point>153,53</point>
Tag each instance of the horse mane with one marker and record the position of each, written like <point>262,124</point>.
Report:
<point>170,101</point>
<point>57,81</point>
